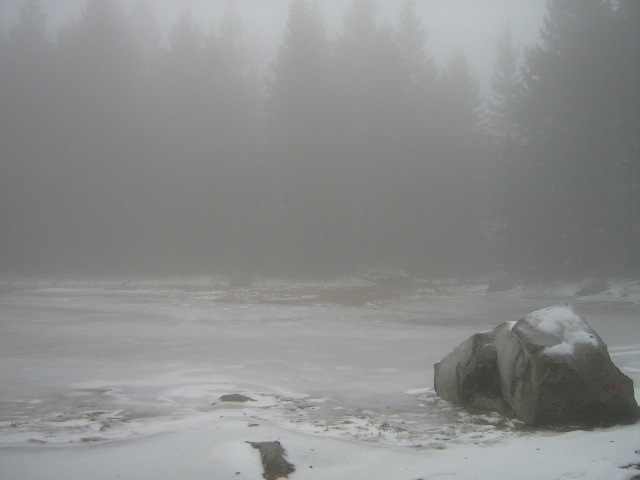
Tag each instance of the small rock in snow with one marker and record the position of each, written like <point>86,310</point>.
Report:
<point>236,397</point>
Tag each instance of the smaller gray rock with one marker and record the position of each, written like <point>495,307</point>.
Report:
<point>236,397</point>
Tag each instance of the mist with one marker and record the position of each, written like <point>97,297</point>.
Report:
<point>302,138</point>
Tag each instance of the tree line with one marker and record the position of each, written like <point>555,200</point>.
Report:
<point>126,150</point>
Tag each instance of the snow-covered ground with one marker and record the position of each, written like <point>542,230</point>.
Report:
<point>123,378</point>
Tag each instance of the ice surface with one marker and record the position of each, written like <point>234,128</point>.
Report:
<point>122,378</point>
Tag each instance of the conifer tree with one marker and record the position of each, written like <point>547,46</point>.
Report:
<point>26,134</point>
<point>26,56</point>
<point>412,38</point>
<point>146,34</point>
<point>456,166</point>
<point>505,89</point>
<point>462,91</point>
<point>297,89</point>
<point>296,110</point>
<point>28,35</point>
<point>567,121</point>
<point>369,110</point>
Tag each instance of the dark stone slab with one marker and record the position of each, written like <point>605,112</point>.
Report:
<point>272,456</point>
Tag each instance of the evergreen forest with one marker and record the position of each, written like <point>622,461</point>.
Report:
<point>127,149</point>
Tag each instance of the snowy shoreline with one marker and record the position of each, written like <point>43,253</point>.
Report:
<point>134,369</point>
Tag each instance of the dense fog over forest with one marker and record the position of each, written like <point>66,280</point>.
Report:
<point>129,147</point>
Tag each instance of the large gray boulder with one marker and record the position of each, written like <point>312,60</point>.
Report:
<point>547,368</point>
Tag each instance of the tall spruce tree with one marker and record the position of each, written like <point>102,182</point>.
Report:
<point>304,216</point>
<point>404,200</point>
<point>412,38</point>
<point>568,122</point>
<point>28,35</point>
<point>457,166</point>
<point>624,94</point>
<point>503,129</point>
<point>297,91</point>
<point>506,87</point>
<point>420,93</point>
<point>463,97</point>
<point>26,138</point>
<point>234,213</point>
<point>94,79</point>
<point>25,72</point>
<point>369,115</point>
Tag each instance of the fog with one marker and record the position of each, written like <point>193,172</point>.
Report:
<point>317,138</point>
<point>449,23</point>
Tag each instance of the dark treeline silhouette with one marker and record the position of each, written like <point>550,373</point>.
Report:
<point>126,150</point>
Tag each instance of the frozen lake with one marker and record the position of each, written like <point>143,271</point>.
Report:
<point>122,379</point>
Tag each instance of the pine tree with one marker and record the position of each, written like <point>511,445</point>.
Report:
<point>506,88</point>
<point>103,41</point>
<point>420,94</point>
<point>225,68</point>
<point>28,35</point>
<point>296,92</point>
<point>624,94</point>
<point>231,47</point>
<point>185,45</point>
<point>97,61</point>
<point>183,80</point>
<point>296,108</point>
<point>371,85</point>
<point>463,100</point>
<point>568,122</point>
<point>412,38</point>
<point>455,167</point>
<point>26,54</point>
<point>503,129</point>
<point>25,135</point>
<point>145,33</point>
<point>405,197</point>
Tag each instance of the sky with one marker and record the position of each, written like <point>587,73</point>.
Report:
<point>473,25</point>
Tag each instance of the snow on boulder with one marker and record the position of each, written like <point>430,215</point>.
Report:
<point>549,367</point>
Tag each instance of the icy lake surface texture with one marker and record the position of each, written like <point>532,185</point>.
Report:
<point>123,378</point>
